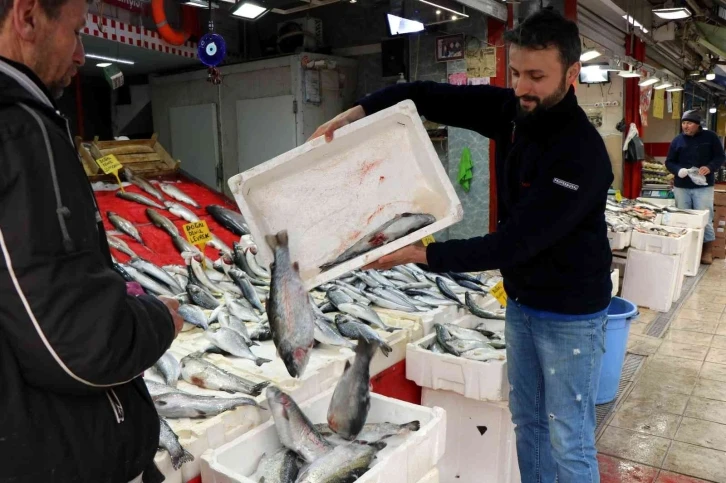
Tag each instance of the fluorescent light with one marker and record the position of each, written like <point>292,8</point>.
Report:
<point>200,4</point>
<point>444,8</point>
<point>672,13</point>
<point>103,64</point>
<point>649,81</point>
<point>662,86</point>
<point>110,59</point>
<point>713,110</point>
<point>635,23</point>
<point>701,80</point>
<point>454,17</point>
<point>710,76</point>
<point>629,74</point>
<point>399,25</point>
<point>248,10</point>
<point>438,12</point>
<point>589,55</point>
<point>674,89</point>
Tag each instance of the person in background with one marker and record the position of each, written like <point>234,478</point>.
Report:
<point>701,149</point>
<point>553,174</point>
<point>73,342</point>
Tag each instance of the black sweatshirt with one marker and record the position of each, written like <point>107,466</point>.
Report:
<point>703,149</point>
<point>552,172</point>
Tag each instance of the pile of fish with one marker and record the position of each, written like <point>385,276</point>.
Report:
<point>637,215</point>
<point>478,344</point>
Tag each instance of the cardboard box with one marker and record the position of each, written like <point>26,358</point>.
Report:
<point>719,198</point>
<point>719,212</point>
<point>720,231</point>
<point>718,249</point>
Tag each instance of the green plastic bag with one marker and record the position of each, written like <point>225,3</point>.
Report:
<point>466,168</point>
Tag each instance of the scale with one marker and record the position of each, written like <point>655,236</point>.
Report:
<point>657,191</point>
<point>211,51</point>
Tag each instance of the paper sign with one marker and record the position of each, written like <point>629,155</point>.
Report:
<point>658,104</point>
<point>618,196</point>
<point>676,105</point>
<point>198,233</point>
<point>482,62</point>
<point>498,293</point>
<point>110,165</point>
<point>427,240</point>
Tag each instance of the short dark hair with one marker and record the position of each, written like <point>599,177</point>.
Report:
<point>548,28</point>
<point>50,7</point>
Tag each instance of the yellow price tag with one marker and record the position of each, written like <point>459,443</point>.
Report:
<point>111,165</point>
<point>618,196</point>
<point>427,240</point>
<point>498,293</point>
<point>198,234</point>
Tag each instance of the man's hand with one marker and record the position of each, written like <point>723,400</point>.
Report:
<point>409,254</point>
<point>329,128</point>
<point>704,171</point>
<point>173,306</point>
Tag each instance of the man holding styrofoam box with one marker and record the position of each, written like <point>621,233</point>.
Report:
<point>551,245</point>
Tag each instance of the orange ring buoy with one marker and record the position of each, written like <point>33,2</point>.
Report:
<point>174,37</point>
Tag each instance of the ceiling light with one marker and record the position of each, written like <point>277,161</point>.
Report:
<point>702,80</point>
<point>200,4</point>
<point>710,76</point>
<point>444,8</point>
<point>672,13</point>
<point>695,73</point>
<point>400,25</point>
<point>589,55</point>
<point>110,59</point>
<point>103,64</point>
<point>353,1</point>
<point>635,23</point>
<point>648,81</point>
<point>713,110</point>
<point>248,10</point>
<point>663,85</point>
<point>629,74</point>
<point>454,17</point>
<point>438,12</point>
<point>675,89</point>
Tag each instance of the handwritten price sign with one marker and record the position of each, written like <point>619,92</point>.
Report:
<point>198,234</point>
<point>498,293</point>
<point>110,165</point>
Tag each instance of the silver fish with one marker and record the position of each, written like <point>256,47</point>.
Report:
<point>203,374</point>
<point>156,272</point>
<point>353,329</point>
<point>147,282</point>
<point>233,343</point>
<point>483,354</point>
<point>400,226</point>
<point>373,432</point>
<point>229,219</point>
<point>295,430</point>
<point>181,211</point>
<point>157,388</point>
<point>357,295</point>
<point>142,183</point>
<point>173,192</point>
<point>120,245</point>
<point>182,405</point>
<point>465,334</point>
<point>344,463</point>
<point>170,442</point>
<point>231,322</point>
<point>366,314</point>
<point>337,296</point>
<point>325,333</point>
<point>243,282</point>
<point>256,268</point>
<point>137,198</point>
<point>218,244</point>
<point>240,310</point>
<point>368,280</point>
<point>389,304</point>
<point>437,349</point>
<point>193,315</point>
<point>124,226</point>
<point>202,297</point>
<point>292,320</point>
<point>456,346</point>
<point>278,467</point>
<point>348,409</point>
<point>446,290</point>
<point>161,221</point>
<point>169,367</point>
<point>380,279</point>
<point>478,311</point>
<point>435,301</point>
<point>200,276</point>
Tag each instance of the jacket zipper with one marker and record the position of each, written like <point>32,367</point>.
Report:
<point>118,409</point>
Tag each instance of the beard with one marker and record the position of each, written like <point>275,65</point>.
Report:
<point>542,105</point>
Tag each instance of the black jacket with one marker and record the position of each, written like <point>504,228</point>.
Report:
<point>72,342</point>
<point>703,149</point>
<point>553,173</point>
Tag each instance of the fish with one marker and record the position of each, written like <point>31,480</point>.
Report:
<point>239,310</point>
<point>124,226</point>
<point>465,334</point>
<point>161,221</point>
<point>338,297</point>
<point>353,329</point>
<point>373,432</point>
<point>239,257</point>
<point>453,345</point>
<point>201,373</point>
<point>457,276</point>
<point>156,272</point>
<point>137,198</point>
<point>351,401</point>
<point>256,268</point>
<point>400,226</point>
<point>218,244</point>
<point>345,463</point>
<point>437,349</point>
<point>482,329</point>
<point>294,429</point>
<point>229,219</point>
<point>234,323</point>
<point>198,275</point>
<point>233,343</point>
<point>396,296</point>
<point>121,271</point>
<point>142,183</point>
<point>446,291</point>
<point>157,388</point>
<point>366,314</point>
<point>181,211</point>
<point>202,297</point>
<point>260,331</point>
<point>170,442</point>
<point>120,245</point>
<point>483,354</point>
<point>368,280</point>
<point>183,405</point>
<point>243,282</point>
<point>278,467</point>
<point>354,293</point>
<point>148,283</point>
<point>471,286</point>
<point>291,317</point>
<point>388,304</point>
<point>169,367</point>
<point>478,311</point>
<point>193,315</point>
<point>325,333</point>
<point>174,192</point>
<point>375,275</point>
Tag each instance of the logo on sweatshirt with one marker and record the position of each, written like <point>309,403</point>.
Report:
<point>565,184</point>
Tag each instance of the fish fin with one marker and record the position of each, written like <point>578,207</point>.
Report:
<point>413,425</point>
<point>393,329</point>
<point>271,241</point>
<point>347,366</point>
<point>282,238</point>
<point>257,388</point>
<point>187,457</point>
<point>261,361</point>
<point>230,391</point>
<point>386,349</point>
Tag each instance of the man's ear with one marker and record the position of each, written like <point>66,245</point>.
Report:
<point>25,17</point>
<point>573,73</point>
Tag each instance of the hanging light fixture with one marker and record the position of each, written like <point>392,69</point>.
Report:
<point>672,13</point>
<point>713,110</point>
<point>663,85</point>
<point>589,55</point>
<point>629,74</point>
<point>649,81</point>
<point>710,76</point>
<point>675,88</point>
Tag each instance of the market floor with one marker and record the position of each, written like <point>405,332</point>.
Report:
<point>671,426</point>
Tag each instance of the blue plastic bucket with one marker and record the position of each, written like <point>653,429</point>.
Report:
<point>620,313</point>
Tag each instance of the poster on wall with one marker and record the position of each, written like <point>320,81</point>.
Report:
<point>658,104</point>
<point>721,121</point>
<point>450,47</point>
<point>676,105</point>
<point>482,62</point>
<point>458,79</point>
<point>645,93</point>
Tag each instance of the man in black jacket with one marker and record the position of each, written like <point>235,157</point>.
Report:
<point>553,174</point>
<point>72,341</point>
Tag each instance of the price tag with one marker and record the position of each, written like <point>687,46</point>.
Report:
<point>498,292</point>
<point>427,240</point>
<point>618,196</point>
<point>110,165</point>
<point>198,234</point>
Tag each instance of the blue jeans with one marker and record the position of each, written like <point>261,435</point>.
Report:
<point>554,370</point>
<point>697,199</point>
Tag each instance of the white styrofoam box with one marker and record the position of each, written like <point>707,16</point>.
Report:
<point>397,340</point>
<point>431,477</point>
<point>690,219</point>
<point>694,252</point>
<point>615,279</point>
<point>650,242</point>
<point>329,195</point>
<point>619,239</point>
<point>408,463</point>
<point>485,381</point>
<point>651,279</point>
<point>480,442</point>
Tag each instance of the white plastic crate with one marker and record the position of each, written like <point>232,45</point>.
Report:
<point>651,242</point>
<point>431,477</point>
<point>651,279</point>
<point>619,239</point>
<point>329,195</point>
<point>694,251</point>
<point>408,463</point>
<point>480,441</point>
<point>691,219</point>
<point>485,381</point>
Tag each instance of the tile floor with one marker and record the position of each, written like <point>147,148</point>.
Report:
<point>671,425</point>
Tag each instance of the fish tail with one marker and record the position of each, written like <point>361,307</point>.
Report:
<point>185,457</point>
<point>283,238</point>
<point>261,361</point>
<point>271,241</point>
<point>257,388</point>
<point>386,349</point>
<point>413,425</point>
